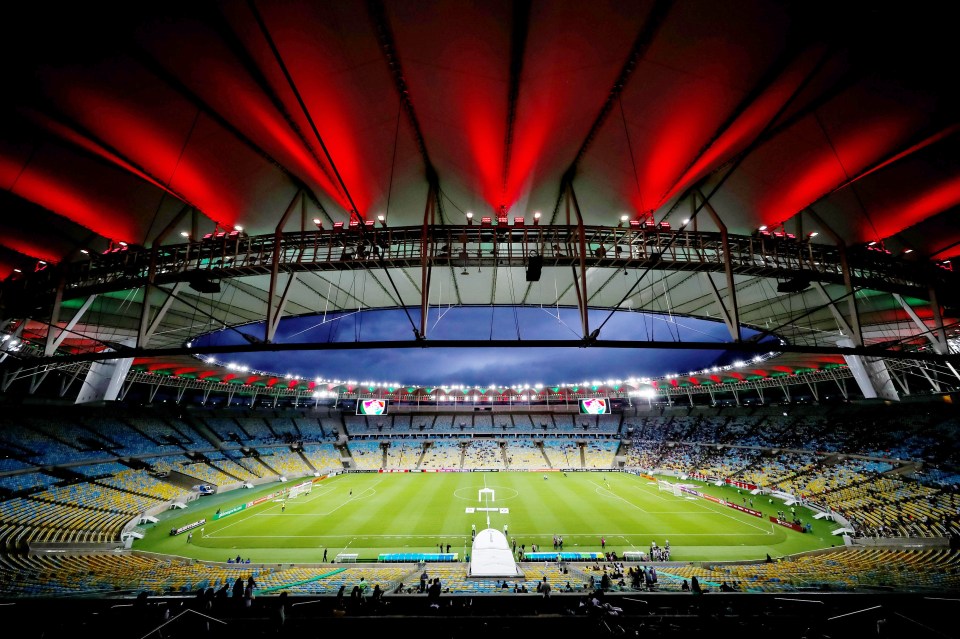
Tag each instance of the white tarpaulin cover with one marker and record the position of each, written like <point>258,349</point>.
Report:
<point>491,556</point>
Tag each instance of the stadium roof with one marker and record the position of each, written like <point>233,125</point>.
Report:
<point>822,125</point>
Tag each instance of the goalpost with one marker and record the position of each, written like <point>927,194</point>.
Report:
<point>300,489</point>
<point>664,485</point>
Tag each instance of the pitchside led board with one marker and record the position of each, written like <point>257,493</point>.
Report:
<point>372,407</point>
<point>595,406</point>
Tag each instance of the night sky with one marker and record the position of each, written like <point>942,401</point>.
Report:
<point>481,366</point>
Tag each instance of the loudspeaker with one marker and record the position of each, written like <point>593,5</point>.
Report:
<point>203,283</point>
<point>534,265</point>
<point>794,284</point>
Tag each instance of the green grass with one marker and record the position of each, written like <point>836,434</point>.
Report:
<point>372,513</point>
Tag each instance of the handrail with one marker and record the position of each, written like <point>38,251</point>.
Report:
<point>238,255</point>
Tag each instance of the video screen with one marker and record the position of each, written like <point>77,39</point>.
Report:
<point>371,407</point>
<point>594,406</point>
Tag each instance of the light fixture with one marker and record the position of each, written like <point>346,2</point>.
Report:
<point>813,234</point>
<point>122,243</point>
<point>85,251</point>
<point>623,219</point>
<point>469,217</point>
<point>185,233</point>
<point>686,221</point>
<point>536,217</point>
<point>382,219</point>
<point>237,227</point>
<point>763,227</point>
<point>906,251</point>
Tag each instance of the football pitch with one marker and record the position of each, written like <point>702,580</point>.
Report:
<point>371,513</point>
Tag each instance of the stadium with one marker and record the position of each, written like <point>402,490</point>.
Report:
<point>470,318</point>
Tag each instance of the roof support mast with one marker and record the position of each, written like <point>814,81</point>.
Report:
<point>856,334</point>
<point>426,262</point>
<point>272,317</point>
<point>580,286</point>
<point>730,315</point>
<point>147,325</point>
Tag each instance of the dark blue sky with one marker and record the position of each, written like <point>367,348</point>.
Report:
<point>481,366</point>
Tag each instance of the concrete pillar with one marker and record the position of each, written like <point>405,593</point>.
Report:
<point>871,373</point>
<point>104,380</point>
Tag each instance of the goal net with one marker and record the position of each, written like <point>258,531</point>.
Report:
<point>300,489</point>
<point>665,486</point>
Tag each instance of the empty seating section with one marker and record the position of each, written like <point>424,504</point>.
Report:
<point>204,472</point>
<point>462,424</point>
<point>9,463</point>
<point>27,481</point>
<point>442,453</point>
<point>599,454</point>
<point>441,423</point>
<point>122,438</point>
<point>331,426</point>
<point>482,453</point>
<point>483,423</point>
<point>95,495</point>
<point>561,452</point>
<point>400,424</point>
<point>367,455</point>
<point>285,462</point>
<point>38,520</point>
<point>323,457</point>
<point>225,428</point>
<point>142,482</point>
<point>524,454</point>
<point>235,468</point>
<point>521,424</point>
<point>258,429</point>
<point>563,424</point>
<point>65,574</point>
<point>608,424</point>
<point>39,448</point>
<point>933,476</point>
<point>163,432</point>
<point>927,570</point>
<point>404,454</point>
<point>319,580</point>
<point>102,469</point>
<point>359,425</point>
<point>284,427</point>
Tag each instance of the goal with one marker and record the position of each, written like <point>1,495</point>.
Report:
<point>300,489</point>
<point>664,485</point>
